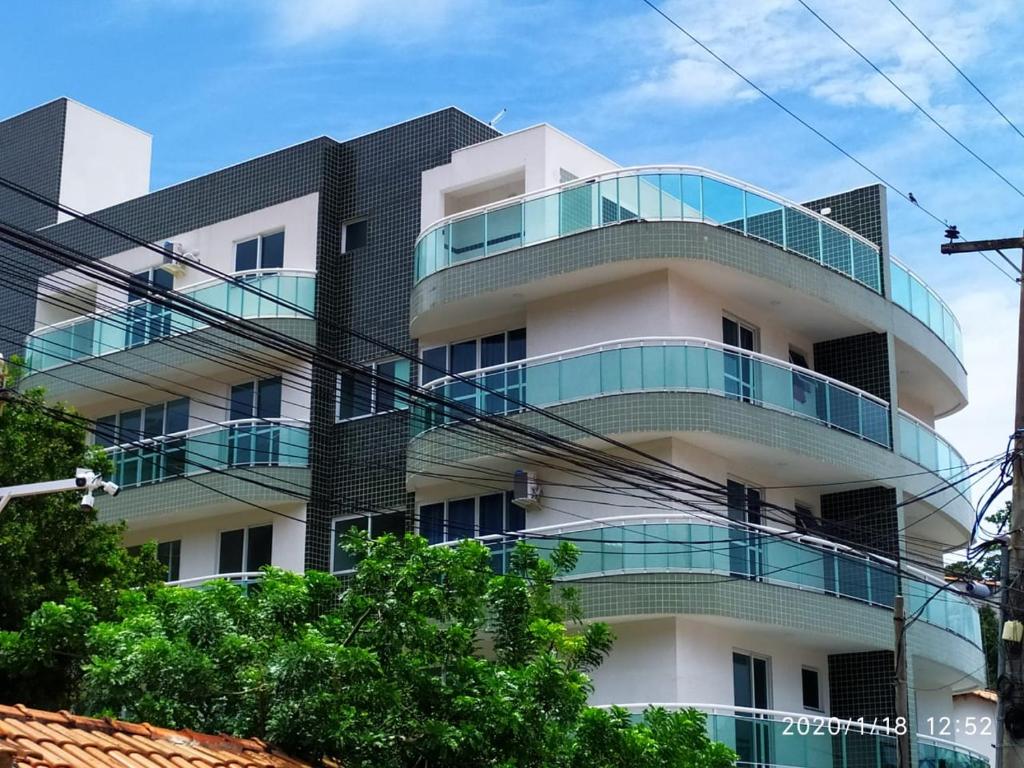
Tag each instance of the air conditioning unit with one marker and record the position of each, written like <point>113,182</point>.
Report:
<point>177,255</point>
<point>526,490</point>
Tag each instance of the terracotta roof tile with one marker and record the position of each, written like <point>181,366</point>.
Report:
<point>37,738</point>
<point>981,693</point>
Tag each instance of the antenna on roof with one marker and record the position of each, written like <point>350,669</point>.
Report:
<point>494,120</point>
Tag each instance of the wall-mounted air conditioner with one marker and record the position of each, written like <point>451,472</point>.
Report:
<point>526,490</point>
<point>174,261</point>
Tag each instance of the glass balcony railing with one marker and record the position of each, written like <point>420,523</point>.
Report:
<point>910,292</point>
<point>286,293</point>
<point>923,445</point>
<point>242,443</point>
<point>662,365</point>
<point>656,193</point>
<point>247,580</point>
<point>939,753</point>
<point>680,543</point>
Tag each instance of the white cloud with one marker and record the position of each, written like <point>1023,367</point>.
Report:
<point>784,49</point>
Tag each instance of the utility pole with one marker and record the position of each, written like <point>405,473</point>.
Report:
<point>1008,756</point>
<point>902,709</point>
<point>1004,589</point>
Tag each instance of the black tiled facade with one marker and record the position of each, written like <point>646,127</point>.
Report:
<point>862,210</point>
<point>861,361</point>
<point>359,466</point>
<point>864,516</point>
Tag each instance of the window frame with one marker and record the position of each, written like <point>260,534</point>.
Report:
<point>447,346</point>
<point>817,680</point>
<point>445,526</point>
<point>136,549</point>
<point>369,517</point>
<point>258,237</point>
<point>245,546</point>
<point>373,384</point>
<point>344,234</point>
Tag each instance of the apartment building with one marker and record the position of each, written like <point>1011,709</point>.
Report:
<point>708,327</point>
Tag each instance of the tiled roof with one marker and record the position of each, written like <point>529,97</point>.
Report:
<point>34,738</point>
<point>981,693</point>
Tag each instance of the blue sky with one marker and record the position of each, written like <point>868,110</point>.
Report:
<point>219,81</point>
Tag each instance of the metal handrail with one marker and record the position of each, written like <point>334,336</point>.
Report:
<point>183,290</point>
<point>198,580</point>
<point>654,341</point>
<point>205,429</point>
<point>640,170</point>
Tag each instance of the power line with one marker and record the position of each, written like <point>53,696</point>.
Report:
<point>962,74</point>
<point>911,99</point>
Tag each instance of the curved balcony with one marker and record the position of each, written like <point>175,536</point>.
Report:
<point>228,445</point>
<point>689,544</point>
<point>924,446</point>
<point>281,294</point>
<point>764,738</point>
<point>675,193</point>
<point>649,193</point>
<point>912,294</point>
<point>665,364</point>
<point>939,753</point>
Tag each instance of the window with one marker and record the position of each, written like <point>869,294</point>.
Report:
<point>353,235</point>
<point>803,386</point>
<point>374,525</point>
<point>153,461</point>
<point>745,546</point>
<point>147,321</point>
<point>804,519</point>
<point>362,394</point>
<point>465,518</point>
<point>811,688</point>
<point>508,384</point>
<point>263,252</point>
<point>255,442</point>
<point>245,550</point>
<point>169,555</point>
<point>741,372</point>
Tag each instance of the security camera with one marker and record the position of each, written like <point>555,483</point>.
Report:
<point>83,477</point>
<point>88,501</point>
<point>111,489</point>
<point>977,589</point>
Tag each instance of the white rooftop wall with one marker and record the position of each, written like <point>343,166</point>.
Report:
<point>105,161</point>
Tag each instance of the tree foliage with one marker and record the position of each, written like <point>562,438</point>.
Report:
<point>425,657</point>
<point>61,569</point>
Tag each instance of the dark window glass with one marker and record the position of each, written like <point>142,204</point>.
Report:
<point>177,416</point>
<point>135,550</point>
<point>269,399</point>
<point>153,421</point>
<point>355,235</point>
<point>432,523</point>
<point>435,363</point>
<point>516,515</point>
<point>242,401</point>
<point>385,391</point>
<point>730,332</point>
<point>463,356</point>
<point>461,519</point>
<point>231,543</point>
<point>163,279</point>
<point>516,344</point>
<point>106,431</point>
<point>382,524</point>
<point>272,256</point>
<point>343,560</point>
<point>798,358</point>
<point>810,686</point>
<point>135,294</point>
<point>131,426</point>
<point>492,350</point>
<point>169,554</point>
<point>261,539</point>
<point>492,514</point>
<point>246,254</point>
<point>354,393</point>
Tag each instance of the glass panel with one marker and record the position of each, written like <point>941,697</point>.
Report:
<point>765,219</point>
<point>260,548</point>
<point>461,519</point>
<point>272,256</point>
<point>918,300</point>
<point>867,265</point>
<point>230,559</point>
<point>723,204</point>
<point>671,196</point>
<point>577,209</point>
<point>467,238</point>
<point>246,254</point>
<point>343,560</point>
<point>504,229</point>
<point>693,205</point>
<point>609,192</point>
<point>540,219</point>
<point>432,522</point>
<point>629,201</point>
<point>835,249</point>
<point>650,198</point>
<point>802,234</point>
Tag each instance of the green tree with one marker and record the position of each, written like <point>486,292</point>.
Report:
<point>61,569</point>
<point>425,657</point>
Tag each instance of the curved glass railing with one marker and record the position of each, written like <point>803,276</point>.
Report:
<point>232,444</point>
<point>285,293</point>
<point>912,293</point>
<point>666,365</point>
<point>678,543</point>
<point>769,738</point>
<point>923,445</point>
<point>652,193</point>
<point>939,753</point>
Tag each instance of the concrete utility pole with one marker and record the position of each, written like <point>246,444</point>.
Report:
<point>902,709</point>
<point>1009,756</point>
<point>1004,583</point>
